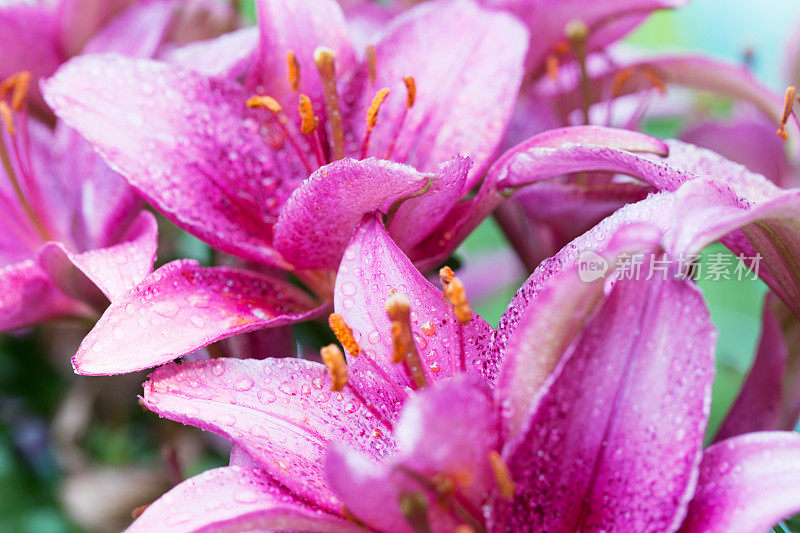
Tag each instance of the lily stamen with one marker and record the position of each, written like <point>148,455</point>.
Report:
<point>414,507</point>
<point>462,313</point>
<point>333,358</point>
<point>405,349</point>
<point>308,126</point>
<point>411,97</point>
<point>502,475</point>
<point>326,65</point>
<point>372,118</point>
<point>272,105</point>
<point>372,64</point>
<point>577,33</point>
<point>788,111</point>
<point>344,334</point>
<point>293,70</point>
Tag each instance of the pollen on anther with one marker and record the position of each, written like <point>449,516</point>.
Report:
<point>502,476</point>
<point>344,334</point>
<point>446,275</point>
<point>333,358</point>
<point>788,107</point>
<point>372,112</point>
<point>264,102</point>
<point>411,91</point>
<point>293,70</point>
<point>457,295</point>
<point>308,121</point>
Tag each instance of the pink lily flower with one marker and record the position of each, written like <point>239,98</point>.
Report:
<point>39,36</point>
<point>567,417</point>
<point>257,180</point>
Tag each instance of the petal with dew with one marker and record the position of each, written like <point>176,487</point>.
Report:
<point>467,65</point>
<point>187,142</point>
<point>624,414</point>
<point>235,499</point>
<point>747,483</point>
<point>114,270</point>
<point>281,412</point>
<point>210,303</point>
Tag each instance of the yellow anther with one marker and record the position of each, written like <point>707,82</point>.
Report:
<point>308,121</point>
<point>458,299</point>
<point>372,112</point>
<point>576,31</point>
<point>411,91</point>
<point>293,70</point>
<point>502,476</point>
<point>344,334</point>
<point>326,65</point>
<point>788,106</point>
<point>264,102</point>
<point>7,116</point>
<point>404,348</point>
<point>551,64</point>
<point>333,358</point>
<point>372,64</point>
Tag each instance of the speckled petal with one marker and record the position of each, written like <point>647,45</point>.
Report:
<point>467,63</point>
<point>280,411</point>
<point>316,223</point>
<point>299,27</point>
<point>187,142</point>
<point>445,431</point>
<point>114,270</point>
<point>555,318</point>
<point>747,483</point>
<point>373,267</point>
<point>623,415</point>
<point>235,499</point>
<point>228,55</point>
<point>139,331</point>
<point>27,296</point>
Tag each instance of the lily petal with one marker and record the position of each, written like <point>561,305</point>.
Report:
<point>228,55</point>
<point>78,20</point>
<point>462,108</point>
<point>210,303</point>
<point>747,483</point>
<point>280,411</point>
<point>235,499</point>
<point>138,31</point>
<point>624,414</point>
<point>196,151</point>
<point>316,223</point>
<point>373,267</point>
<point>27,296</point>
<point>442,432</point>
<point>114,270</point>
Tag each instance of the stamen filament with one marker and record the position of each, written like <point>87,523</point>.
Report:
<point>272,105</point>
<point>460,310</point>
<point>578,32</point>
<point>411,97</point>
<point>326,65</point>
<point>372,118</point>
<point>405,348</point>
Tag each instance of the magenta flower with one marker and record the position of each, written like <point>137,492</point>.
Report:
<point>237,175</point>
<point>567,417</point>
<point>39,36</point>
<point>71,227</point>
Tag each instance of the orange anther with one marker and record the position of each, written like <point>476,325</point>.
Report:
<point>502,476</point>
<point>372,112</point>
<point>293,70</point>
<point>372,63</point>
<point>344,334</point>
<point>308,120</point>
<point>264,102</point>
<point>333,358</point>
<point>411,90</point>
<point>788,106</point>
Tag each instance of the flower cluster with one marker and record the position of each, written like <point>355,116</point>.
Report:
<point>334,156</point>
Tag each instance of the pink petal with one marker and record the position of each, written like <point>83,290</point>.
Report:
<point>138,31</point>
<point>318,220</point>
<point>235,498</point>
<point>446,430</point>
<point>114,270</point>
<point>747,483</point>
<point>279,411</point>
<point>768,400</point>
<point>228,55</point>
<point>78,20</point>
<point>209,303</point>
<point>467,63</point>
<point>27,296</point>
<point>616,435</point>
<point>555,318</point>
<point>299,27</point>
<point>187,142</point>
<point>373,267</point>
